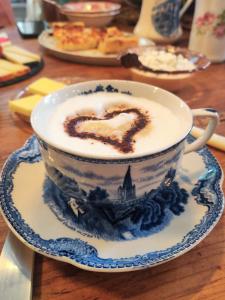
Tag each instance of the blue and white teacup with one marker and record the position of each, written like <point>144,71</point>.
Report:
<point>122,198</point>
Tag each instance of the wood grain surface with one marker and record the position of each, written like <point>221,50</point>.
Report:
<point>197,275</point>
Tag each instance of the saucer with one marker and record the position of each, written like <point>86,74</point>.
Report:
<point>29,216</point>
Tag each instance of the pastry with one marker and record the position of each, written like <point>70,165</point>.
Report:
<point>117,44</point>
<point>75,36</point>
<point>85,40</point>
<point>66,28</point>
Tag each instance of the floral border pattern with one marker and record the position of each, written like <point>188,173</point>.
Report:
<point>211,23</point>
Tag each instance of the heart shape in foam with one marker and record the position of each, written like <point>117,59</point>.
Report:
<point>116,128</point>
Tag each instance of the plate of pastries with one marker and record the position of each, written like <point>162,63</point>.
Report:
<point>76,42</point>
<point>17,64</point>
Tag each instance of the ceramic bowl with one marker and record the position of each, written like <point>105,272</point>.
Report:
<point>95,13</point>
<point>171,81</point>
<point>95,20</point>
<point>91,7</point>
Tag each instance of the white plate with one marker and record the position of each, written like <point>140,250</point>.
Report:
<point>32,217</point>
<point>93,57</point>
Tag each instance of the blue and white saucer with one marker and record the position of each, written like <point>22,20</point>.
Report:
<point>31,218</point>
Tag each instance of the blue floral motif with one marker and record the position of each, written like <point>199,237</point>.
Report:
<point>82,253</point>
<point>109,89</point>
<point>165,17</point>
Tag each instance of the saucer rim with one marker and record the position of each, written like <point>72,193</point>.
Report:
<point>218,193</point>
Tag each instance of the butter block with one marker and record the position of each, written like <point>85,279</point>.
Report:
<point>24,106</point>
<point>45,86</point>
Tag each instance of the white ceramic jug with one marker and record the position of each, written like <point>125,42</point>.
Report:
<point>208,29</point>
<point>160,20</point>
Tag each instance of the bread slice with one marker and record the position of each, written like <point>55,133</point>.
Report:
<point>10,70</point>
<point>5,75</point>
<point>18,58</point>
<point>19,55</point>
<point>13,67</point>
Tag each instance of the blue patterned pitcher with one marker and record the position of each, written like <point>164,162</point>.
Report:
<point>160,19</point>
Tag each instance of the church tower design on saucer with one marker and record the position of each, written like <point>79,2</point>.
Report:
<point>127,191</point>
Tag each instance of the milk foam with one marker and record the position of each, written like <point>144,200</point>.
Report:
<point>163,130</point>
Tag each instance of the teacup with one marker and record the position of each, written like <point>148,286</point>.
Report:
<point>117,198</point>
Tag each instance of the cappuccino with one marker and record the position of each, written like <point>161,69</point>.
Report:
<point>113,125</point>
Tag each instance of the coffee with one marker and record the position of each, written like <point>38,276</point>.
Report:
<point>113,124</point>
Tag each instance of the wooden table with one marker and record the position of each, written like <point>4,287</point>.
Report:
<point>199,274</point>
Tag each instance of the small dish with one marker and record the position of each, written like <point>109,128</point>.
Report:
<point>95,13</point>
<point>167,79</point>
<point>97,20</point>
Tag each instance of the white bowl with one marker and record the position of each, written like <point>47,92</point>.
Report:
<point>95,13</point>
<point>96,20</point>
<point>171,81</point>
<point>91,7</point>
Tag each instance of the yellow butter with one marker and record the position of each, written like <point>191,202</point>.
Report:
<point>45,86</point>
<point>24,106</point>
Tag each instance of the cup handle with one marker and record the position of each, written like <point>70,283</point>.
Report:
<point>185,7</point>
<point>213,116</point>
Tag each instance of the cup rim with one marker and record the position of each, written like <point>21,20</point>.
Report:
<point>100,157</point>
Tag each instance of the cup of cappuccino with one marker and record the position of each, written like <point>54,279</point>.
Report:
<point>111,149</point>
